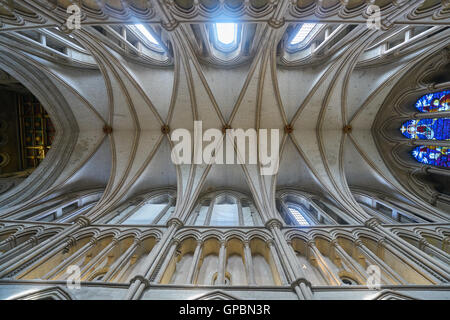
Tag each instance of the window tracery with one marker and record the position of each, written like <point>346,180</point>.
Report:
<point>305,210</point>
<point>152,209</point>
<point>437,128</point>
<point>225,209</point>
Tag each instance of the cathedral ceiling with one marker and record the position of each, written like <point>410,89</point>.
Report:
<point>117,104</point>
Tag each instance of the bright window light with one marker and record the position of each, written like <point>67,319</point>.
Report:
<point>297,215</point>
<point>226,32</point>
<point>146,33</point>
<point>304,30</point>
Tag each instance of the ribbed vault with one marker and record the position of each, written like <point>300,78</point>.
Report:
<point>119,106</point>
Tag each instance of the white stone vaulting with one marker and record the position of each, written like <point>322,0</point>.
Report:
<point>92,205</point>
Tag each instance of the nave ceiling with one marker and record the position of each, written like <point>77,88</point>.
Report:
<point>109,106</point>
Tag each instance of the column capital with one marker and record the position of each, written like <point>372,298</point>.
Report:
<point>33,240</point>
<point>175,241</point>
<point>358,243</point>
<point>137,241</point>
<point>334,242</point>
<point>273,223</point>
<point>93,241</point>
<point>297,282</point>
<point>423,242</point>
<point>69,243</point>
<point>170,26</point>
<point>311,243</point>
<point>381,241</point>
<point>141,279</point>
<point>83,221</point>
<point>72,241</point>
<point>175,222</point>
<point>12,238</point>
<point>372,223</point>
<point>270,242</point>
<point>276,23</point>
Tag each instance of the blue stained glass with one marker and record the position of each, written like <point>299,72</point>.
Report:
<point>434,102</point>
<point>432,155</point>
<point>431,129</point>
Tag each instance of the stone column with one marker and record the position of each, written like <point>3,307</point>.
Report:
<point>163,212</point>
<point>380,263</point>
<point>159,272</point>
<point>416,265</point>
<point>90,266</point>
<point>69,260</point>
<point>433,266</point>
<point>445,244</point>
<point>192,269</point>
<point>209,213</point>
<point>29,256</point>
<point>357,268</point>
<point>140,282</point>
<point>222,263</point>
<point>326,271</point>
<point>117,265</point>
<point>10,242</point>
<point>296,275</point>
<point>276,260</point>
<point>249,264</point>
<point>241,215</point>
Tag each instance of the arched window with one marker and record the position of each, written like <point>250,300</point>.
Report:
<point>434,102</point>
<point>154,210</point>
<point>225,212</point>
<point>298,209</point>
<point>432,155</point>
<point>62,209</point>
<point>225,209</point>
<point>390,211</point>
<point>429,129</point>
<point>301,33</point>
<point>226,35</point>
<point>146,33</point>
<point>298,217</point>
<point>437,128</point>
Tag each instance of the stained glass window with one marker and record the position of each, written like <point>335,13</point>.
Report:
<point>431,129</point>
<point>432,155</point>
<point>434,102</point>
